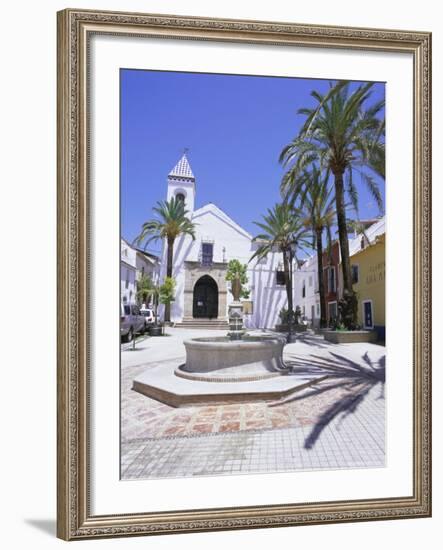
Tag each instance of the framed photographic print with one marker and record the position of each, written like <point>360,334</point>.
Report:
<point>243,274</point>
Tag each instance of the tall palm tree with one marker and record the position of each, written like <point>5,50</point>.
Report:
<point>282,230</point>
<point>344,136</point>
<point>316,200</point>
<point>172,221</point>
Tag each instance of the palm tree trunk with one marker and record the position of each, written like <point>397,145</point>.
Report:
<point>155,300</point>
<point>343,232</point>
<point>321,286</point>
<point>287,266</point>
<point>348,303</point>
<point>170,256</point>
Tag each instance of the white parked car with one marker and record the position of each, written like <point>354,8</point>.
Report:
<point>148,314</point>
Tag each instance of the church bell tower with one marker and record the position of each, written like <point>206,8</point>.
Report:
<point>181,183</point>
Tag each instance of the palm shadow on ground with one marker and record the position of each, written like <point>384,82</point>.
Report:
<point>313,340</point>
<point>356,378</point>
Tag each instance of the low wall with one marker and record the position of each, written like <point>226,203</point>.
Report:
<point>349,337</point>
<point>295,328</point>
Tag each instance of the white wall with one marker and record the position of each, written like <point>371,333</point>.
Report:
<point>128,262</point>
<point>147,267</point>
<point>128,286</point>
<point>308,272</point>
<point>268,297</point>
<point>28,170</point>
<point>230,242</point>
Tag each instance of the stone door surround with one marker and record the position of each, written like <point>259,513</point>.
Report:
<point>193,272</point>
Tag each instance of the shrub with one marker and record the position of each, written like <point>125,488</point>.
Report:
<point>167,291</point>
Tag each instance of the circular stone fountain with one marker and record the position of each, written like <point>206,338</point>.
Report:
<point>248,368</point>
<point>223,359</point>
<point>237,357</point>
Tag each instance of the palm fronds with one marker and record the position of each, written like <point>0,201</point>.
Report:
<point>172,220</point>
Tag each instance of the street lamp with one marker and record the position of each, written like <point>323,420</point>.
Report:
<point>291,338</point>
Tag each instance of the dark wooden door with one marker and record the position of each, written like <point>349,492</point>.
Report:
<point>205,298</point>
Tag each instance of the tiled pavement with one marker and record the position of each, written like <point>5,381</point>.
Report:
<point>348,441</point>
<point>145,417</point>
<point>338,423</point>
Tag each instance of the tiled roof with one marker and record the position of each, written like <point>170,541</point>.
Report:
<point>375,230</point>
<point>371,233</point>
<point>182,169</point>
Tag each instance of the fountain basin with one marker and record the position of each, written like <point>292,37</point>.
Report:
<point>247,370</point>
<point>223,359</point>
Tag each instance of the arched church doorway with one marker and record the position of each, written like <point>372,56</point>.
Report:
<point>205,304</point>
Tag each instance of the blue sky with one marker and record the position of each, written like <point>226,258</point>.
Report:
<point>234,127</point>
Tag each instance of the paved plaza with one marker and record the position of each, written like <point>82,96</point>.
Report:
<point>335,423</point>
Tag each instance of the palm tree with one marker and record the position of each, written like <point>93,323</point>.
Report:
<point>282,230</point>
<point>172,221</point>
<point>316,200</point>
<point>344,137</point>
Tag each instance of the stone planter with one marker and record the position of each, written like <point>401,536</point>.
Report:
<point>156,330</point>
<point>350,337</point>
<point>236,289</point>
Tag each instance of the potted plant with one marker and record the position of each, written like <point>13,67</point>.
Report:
<point>236,273</point>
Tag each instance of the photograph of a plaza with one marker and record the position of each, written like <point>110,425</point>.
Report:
<point>252,262</point>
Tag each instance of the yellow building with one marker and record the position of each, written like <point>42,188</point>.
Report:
<point>368,274</point>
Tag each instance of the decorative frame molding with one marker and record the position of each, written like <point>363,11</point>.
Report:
<point>75,28</point>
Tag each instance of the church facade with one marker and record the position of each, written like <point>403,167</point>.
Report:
<point>200,265</point>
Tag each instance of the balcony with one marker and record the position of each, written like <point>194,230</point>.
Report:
<point>206,259</point>
<point>206,255</point>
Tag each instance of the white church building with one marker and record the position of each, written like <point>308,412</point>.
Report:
<point>202,292</point>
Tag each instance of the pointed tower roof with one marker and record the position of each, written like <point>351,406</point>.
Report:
<point>182,169</point>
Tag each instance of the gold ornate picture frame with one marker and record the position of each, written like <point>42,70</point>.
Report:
<point>75,518</point>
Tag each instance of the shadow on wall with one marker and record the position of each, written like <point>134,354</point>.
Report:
<point>48,526</point>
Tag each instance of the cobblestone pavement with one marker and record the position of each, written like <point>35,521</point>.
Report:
<point>337,423</point>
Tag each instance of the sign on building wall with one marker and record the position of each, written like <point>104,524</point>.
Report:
<point>376,273</point>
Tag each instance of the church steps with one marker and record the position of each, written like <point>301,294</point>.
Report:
<point>203,324</point>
